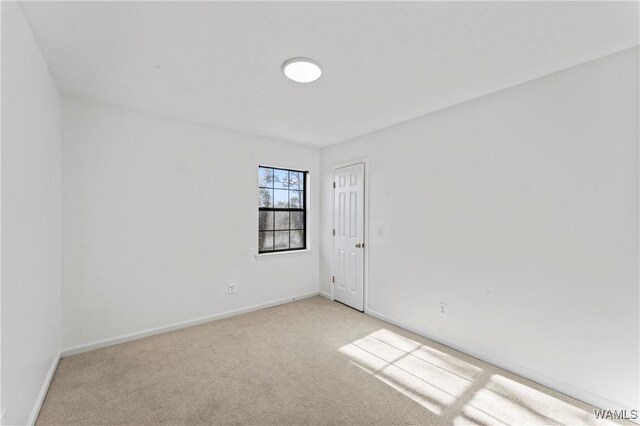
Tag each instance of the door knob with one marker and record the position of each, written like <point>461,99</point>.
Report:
<point>359,245</point>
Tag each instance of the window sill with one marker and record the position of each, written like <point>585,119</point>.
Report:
<point>281,254</point>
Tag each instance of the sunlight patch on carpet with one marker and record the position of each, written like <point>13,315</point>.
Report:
<point>449,386</point>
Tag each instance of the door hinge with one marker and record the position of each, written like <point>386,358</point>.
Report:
<point>334,185</point>
<point>333,278</point>
<point>333,232</point>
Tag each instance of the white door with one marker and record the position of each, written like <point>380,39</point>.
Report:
<point>348,247</point>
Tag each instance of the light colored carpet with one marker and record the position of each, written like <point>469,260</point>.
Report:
<point>308,362</point>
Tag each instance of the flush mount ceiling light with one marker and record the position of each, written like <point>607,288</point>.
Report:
<point>302,70</point>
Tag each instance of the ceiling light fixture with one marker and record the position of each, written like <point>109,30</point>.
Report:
<point>302,70</point>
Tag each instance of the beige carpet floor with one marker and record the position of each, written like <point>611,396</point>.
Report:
<point>308,362</point>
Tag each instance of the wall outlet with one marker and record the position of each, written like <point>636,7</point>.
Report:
<point>232,288</point>
<point>443,308</point>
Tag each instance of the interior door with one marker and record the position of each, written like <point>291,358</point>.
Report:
<point>348,247</point>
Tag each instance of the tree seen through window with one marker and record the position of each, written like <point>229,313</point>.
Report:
<point>282,210</point>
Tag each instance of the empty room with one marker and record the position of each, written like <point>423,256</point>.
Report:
<point>320,213</point>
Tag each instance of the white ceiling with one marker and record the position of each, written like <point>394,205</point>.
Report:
<point>383,62</point>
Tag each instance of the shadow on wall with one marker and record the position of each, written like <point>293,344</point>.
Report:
<point>453,388</point>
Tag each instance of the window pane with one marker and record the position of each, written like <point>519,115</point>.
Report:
<point>297,220</point>
<point>295,199</point>
<point>280,178</point>
<point>296,180</point>
<point>281,198</point>
<point>297,239</point>
<point>265,241</point>
<point>266,221</point>
<point>266,197</point>
<point>282,220</point>
<point>266,177</point>
<point>281,240</point>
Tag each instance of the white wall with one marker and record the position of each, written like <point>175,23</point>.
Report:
<point>31,219</point>
<point>520,211</point>
<point>160,215</point>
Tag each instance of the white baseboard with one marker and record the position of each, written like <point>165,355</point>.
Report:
<point>43,391</point>
<point>325,295</point>
<point>103,343</point>
<point>560,386</point>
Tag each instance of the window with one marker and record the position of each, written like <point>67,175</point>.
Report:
<point>282,210</point>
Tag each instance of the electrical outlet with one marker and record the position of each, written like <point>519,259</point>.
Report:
<point>232,288</point>
<point>443,308</point>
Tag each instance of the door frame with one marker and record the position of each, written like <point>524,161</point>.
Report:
<point>365,266</point>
